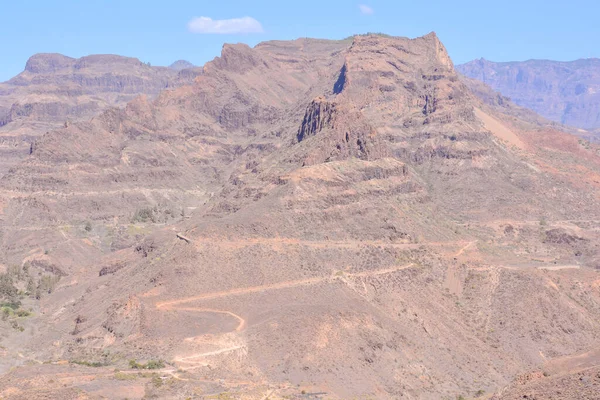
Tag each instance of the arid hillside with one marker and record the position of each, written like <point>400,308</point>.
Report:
<point>307,219</point>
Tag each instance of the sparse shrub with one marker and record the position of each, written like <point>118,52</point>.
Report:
<point>121,376</point>
<point>15,325</point>
<point>480,393</point>
<point>151,364</point>
<point>17,275</point>
<point>94,364</point>
<point>145,248</point>
<point>144,215</point>
<point>30,285</point>
<point>23,313</point>
<point>157,381</point>
<point>154,364</point>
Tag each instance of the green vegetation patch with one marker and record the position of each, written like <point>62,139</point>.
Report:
<point>94,364</point>
<point>151,364</point>
<point>121,376</point>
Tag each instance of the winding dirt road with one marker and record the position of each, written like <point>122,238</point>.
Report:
<point>178,304</point>
<point>171,304</point>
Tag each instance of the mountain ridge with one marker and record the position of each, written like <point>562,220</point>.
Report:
<point>181,64</point>
<point>359,224</point>
<point>55,89</point>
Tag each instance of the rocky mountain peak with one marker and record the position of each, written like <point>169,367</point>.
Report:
<point>48,63</point>
<point>236,58</point>
<point>181,65</point>
<point>440,52</point>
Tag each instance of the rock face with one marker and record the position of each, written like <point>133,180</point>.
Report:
<point>54,89</point>
<point>309,216</point>
<point>48,63</point>
<point>320,115</point>
<point>565,92</point>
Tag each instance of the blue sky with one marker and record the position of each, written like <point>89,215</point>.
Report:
<point>161,32</point>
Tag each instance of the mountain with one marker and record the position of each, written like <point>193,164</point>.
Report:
<point>181,64</point>
<point>358,225</point>
<point>55,89</point>
<point>565,92</point>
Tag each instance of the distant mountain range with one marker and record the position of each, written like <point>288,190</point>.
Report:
<point>565,92</point>
<point>54,89</point>
<point>181,64</point>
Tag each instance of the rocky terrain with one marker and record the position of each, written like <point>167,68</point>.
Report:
<point>565,92</point>
<point>360,224</point>
<point>54,90</point>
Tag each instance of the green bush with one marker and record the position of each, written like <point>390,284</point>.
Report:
<point>23,313</point>
<point>94,364</point>
<point>151,364</point>
<point>13,304</point>
<point>144,215</point>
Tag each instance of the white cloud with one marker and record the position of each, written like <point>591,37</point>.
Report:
<point>224,26</point>
<point>366,10</point>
